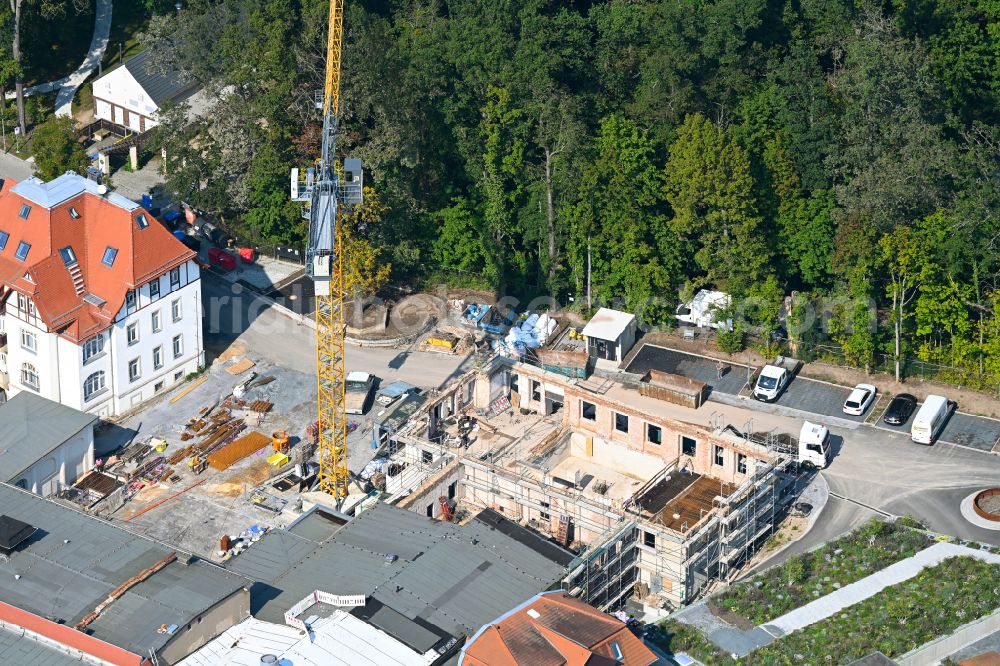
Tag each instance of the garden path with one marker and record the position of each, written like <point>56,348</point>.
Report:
<point>901,571</point>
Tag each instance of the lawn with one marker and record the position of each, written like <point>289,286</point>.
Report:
<point>900,618</point>
<point>54,47</point>
<point>870,548</point>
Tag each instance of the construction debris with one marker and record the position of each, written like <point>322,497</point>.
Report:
<point>187,389</point>
<point>241,448</point>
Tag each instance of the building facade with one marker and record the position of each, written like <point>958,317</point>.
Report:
<point>101,305</point>
<point>131,95</point>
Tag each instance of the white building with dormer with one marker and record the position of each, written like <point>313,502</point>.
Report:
<point>100,306</point>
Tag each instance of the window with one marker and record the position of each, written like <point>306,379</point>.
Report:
<point>430,510</point>
<point>28,340</point>
<point>25,211</point>
<point>175,309</point>
<point>648,539</point>
<point>92,348</point>
<point>157,322</point>
<point>175,278</point>
<point>178,346</point>
<point>621,422</point>
<point>74,213</point>
<point>93,385</point>
<point>132,333</point>
<point>134,371</point>
<point>22,251</point>
<point>29,376</point>
<point>68,256</point>
<point>689,447</point>
<point>588,411</point>
<point>741,463</point>
<point>543,513</point>
<point>654,434</point>
<point>536,391</point>
<point>4,237</point>
<point>426,456</point>
<point>158,357</point>
<point>718,455</point>
<point>141,221</point>
<point>616,652</point>
<point>130,299</point>
<point>109,256</point>
<point>157,387</point>
<point>22,484</point>
<point>22,302</point>
<point>154,289</point>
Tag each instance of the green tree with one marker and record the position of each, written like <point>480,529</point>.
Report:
<point>618,220</point>
<point>56,148</point>
<point>900,254</point>
<point>709,187</point>
<point>460,245</point>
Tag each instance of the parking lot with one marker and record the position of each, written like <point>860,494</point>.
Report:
<point>975,432</point>
<point>808,395</point>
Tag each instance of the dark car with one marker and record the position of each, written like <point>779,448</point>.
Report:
<point>900,409</point>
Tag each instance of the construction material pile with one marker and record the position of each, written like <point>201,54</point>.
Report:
<point>533,333</point>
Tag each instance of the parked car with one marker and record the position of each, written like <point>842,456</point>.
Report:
<point>357,391</point>
<point>899,410</point>
<point>860,399</point>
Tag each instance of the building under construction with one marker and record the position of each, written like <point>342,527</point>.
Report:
<point>657,504</point>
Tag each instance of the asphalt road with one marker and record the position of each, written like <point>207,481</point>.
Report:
<point>233,313</point>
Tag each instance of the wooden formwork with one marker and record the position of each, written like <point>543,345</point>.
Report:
<point>237,450</point>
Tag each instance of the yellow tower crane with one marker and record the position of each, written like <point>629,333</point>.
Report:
<point>325,189</point>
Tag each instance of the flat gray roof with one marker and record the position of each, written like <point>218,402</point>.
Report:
<point>20,650</point>
<point>31,428</point>
<point>74,561</point>
<point>452,578</point>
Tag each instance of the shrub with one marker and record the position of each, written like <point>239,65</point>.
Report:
<point>730,342</point>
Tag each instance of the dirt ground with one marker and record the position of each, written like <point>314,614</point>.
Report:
<point>969,401</point>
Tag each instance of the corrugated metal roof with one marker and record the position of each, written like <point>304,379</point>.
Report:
<point>20,650</point>
<point>31,428</point>
<point>75,560</point>
<point>160,88</point>
<point>455,578</point>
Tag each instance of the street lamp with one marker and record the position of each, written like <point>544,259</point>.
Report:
<point>178,6</point>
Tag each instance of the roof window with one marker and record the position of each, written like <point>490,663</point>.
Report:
<point>109,256</point>
<point>22,250</point>
<point>25,211</point>
<point>141,221</point>
<point>68,256</point>
<point>4,237</point>
<point>74,213</point>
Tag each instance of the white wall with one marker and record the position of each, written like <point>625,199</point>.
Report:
<point>62,468</point>
<point>120,88</point>
<point>129,394</point>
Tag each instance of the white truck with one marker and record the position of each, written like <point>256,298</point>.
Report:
<point>814,445</point>
<point>357,391</point>
<point>774,378</point>
<point>703,310</point>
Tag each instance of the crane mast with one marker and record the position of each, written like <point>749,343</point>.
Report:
<point>327,188</point>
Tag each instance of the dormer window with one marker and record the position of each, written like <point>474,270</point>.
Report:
<point>74,213</point>
<point>109,256</point>
<point>141,221</point>
<point>25,211</point>
<point>22,250</point>
<point>68,256</point>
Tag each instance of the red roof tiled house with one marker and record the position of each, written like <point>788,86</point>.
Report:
<point>555,629</point>
<point>99,303</point>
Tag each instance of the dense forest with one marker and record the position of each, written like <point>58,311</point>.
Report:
<point>845,151</point>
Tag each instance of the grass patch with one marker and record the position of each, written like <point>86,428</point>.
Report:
<point>870,548</point>
<point>127,21</point>
<point>933,603</point>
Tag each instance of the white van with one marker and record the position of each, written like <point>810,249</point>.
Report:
<point>930,419</point>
